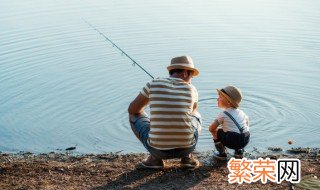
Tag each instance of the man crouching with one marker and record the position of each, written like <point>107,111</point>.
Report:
<point>174,125</point>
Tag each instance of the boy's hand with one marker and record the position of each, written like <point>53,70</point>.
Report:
<point>213,128</point>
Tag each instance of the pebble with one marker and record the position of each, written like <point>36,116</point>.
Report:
<point>71,148</point>
<point>275,148</point>
<point>60,170</point>
<point>2,170</point>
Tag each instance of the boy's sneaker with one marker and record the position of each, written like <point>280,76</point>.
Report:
<point>238,154</point>
<point>189,162</point>
<point>219,156</point>
<point>152,163</point>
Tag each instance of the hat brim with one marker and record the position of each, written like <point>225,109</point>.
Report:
<point>228,98</point>
<point>195,71</point>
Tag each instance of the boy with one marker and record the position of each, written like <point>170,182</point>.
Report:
<point>234,130</point>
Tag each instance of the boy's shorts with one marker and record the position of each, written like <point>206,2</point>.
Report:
<point>140,125</point>
<point>233,140</point>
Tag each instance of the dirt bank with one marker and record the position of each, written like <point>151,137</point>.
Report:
<point>118,171</point>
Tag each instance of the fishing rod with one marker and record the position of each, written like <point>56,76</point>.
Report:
<point>122,52</point>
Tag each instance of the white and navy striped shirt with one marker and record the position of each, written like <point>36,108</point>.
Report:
<point>171,104</point>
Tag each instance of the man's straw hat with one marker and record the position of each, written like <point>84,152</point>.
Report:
<point>233,94</point>
<point>183,62</point>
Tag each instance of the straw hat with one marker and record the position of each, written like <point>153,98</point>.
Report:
<point>233,94</point>
<point>183,62</point>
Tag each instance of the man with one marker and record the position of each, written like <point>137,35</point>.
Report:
<point>173,127</point>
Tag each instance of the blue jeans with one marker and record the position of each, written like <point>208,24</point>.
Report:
<point>140,126</point>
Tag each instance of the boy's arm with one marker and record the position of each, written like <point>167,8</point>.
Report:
<point>213,127</point>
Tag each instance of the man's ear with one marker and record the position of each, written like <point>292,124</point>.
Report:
<point>185,74</point>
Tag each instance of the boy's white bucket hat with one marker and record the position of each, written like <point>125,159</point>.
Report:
<point>183,62</point>
<point>233,94</point>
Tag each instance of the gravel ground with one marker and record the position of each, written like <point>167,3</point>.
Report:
<point>119,171</point>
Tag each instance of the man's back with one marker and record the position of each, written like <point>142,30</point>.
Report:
<point>172,130</point>
<point>171,104</point>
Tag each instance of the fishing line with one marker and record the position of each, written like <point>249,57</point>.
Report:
<point>114,45</point>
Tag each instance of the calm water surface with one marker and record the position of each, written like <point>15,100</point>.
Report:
<point>62,85</point>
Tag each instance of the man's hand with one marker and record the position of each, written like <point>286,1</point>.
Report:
<point>195,107</point>
<point>138,105</point>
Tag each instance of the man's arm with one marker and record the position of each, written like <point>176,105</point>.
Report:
<point>195,99</point>
<point>195,107</point>
<point>197,114</point>
<point>138,105</point>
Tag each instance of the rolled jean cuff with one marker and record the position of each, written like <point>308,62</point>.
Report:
<point>134,117</point>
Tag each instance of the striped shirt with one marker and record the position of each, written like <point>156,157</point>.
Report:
<point>171,104</point>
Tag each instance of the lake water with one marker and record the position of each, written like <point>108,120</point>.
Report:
<point>63,85</point>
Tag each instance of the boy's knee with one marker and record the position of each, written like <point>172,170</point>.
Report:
<point>215,132</point>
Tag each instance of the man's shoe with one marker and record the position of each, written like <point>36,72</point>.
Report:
<point>152,163</point>
<point>219,156</point>
<point>189,162</point>
<point>238,154</point>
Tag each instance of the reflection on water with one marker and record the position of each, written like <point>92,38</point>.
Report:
<point>63,85</point>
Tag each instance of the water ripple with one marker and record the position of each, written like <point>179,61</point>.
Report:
<point>63,84</point>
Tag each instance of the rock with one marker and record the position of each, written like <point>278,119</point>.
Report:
<point>299,150</point>
<point>59,170</point>
<point>309,182</point>
<point>71,148</point>
<point>276,149</point>
<point>2,170</point>
<point>274,157</point>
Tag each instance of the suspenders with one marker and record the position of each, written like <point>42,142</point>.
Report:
<point>235,122</point>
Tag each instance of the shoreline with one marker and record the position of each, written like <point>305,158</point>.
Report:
<point>53,170</point>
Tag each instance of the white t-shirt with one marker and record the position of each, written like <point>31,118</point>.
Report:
<point>227,123</point>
